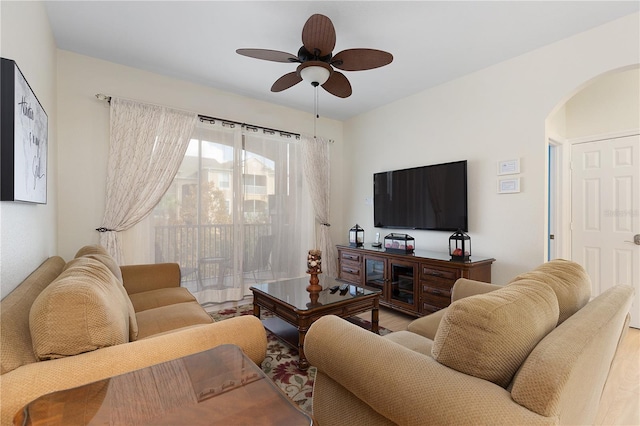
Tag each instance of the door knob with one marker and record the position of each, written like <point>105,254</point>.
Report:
<point>636,240</point>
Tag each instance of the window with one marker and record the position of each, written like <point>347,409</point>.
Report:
<point>224,179</point>
<point>232,190</point>
<point>255,184</point>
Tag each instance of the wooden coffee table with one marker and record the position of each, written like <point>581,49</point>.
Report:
<point>290,301</point>
<point>217,386</point>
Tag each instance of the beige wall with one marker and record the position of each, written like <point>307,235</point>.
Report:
<point>28,231</point>
<point>495,114</point>
<point>84,131</point>
<point>611,103</point>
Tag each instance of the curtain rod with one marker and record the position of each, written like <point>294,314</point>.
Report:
<point>212,120</point>
<point>252,127</point>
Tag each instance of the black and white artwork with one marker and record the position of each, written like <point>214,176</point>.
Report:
<point>24,139</point>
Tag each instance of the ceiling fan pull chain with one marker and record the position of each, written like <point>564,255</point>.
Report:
<point>315,110</point>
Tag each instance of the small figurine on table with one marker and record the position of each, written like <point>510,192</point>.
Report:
<point>314,262</point>
<point>314,267</point>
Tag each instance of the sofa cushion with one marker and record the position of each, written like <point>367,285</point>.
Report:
<point>569,281</point>
<point>490,335</point>
<point>82,310</point>
<point>161,297</point>
<point>171,317</point>
<point>412,341</point>
<point>96,252</point>
<point>427,326</point>
<point>142,278</point>
<point>91,249</point>
<point>108,261</point>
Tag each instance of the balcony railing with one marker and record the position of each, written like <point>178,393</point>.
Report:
<point>202,250</point>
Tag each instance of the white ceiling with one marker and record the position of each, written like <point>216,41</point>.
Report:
<point>432,41</point>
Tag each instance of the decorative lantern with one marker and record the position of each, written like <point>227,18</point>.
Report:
<point>356,236</point>
<point>460,246</point>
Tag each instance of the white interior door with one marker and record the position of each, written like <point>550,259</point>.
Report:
<point>605,214</point>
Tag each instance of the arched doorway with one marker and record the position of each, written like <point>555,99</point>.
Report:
<point>594,181</point>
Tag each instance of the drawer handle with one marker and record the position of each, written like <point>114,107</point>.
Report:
<point>435,273</point>
<point>350,271</point>
<point>350,256</point>
<point>438,292</point>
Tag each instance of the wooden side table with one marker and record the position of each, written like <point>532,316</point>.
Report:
<point>218,386</point>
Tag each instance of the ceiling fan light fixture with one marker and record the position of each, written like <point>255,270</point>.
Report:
<point>317,61</point>
<point>315,72</point>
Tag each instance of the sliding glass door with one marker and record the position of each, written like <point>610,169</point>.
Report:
<point>236,213</point>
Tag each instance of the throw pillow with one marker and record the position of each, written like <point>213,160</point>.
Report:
<point>490,335</point>
<point>81,311</point>
<point>569,281</point>
<point>107,261</point>
<point>91,249</point>
<point>98,253</point>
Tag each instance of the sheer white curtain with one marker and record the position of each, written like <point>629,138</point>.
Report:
<point>290,210</point>
<point>147,144</point>
<point>316,167</point>
<point>237,213</point>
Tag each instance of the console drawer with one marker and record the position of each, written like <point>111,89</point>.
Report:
<point>437,285</point>
<point>351,273</point>
<point>426,309</point>
<point>427,272</point>
<point>350,257</point>
<point>436,297</point>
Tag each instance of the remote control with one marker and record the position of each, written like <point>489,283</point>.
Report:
<point>343,289</point>
<point>334,289</point>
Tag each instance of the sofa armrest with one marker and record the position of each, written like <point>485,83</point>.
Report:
<point>464,288</point>
<point>427,326</point>
<point>26,383</point>
<point>406,387</point>
<point>141,278</point>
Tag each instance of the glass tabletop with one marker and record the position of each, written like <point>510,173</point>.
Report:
<point>294,292</point>
<point>217,386</point>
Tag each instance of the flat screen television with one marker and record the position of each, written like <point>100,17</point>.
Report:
<point>431,197</point>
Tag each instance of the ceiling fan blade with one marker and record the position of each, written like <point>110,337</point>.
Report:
<point>361,59</point>
<point>319,34</point>
<point>338,85</point>
<point>268,55</point>
<point>286,81</point>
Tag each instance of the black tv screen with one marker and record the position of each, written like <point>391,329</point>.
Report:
<point>430,197</point>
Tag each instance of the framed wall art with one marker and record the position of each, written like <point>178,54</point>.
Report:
<point>509,167</point>
<point>508,186</point>
<point>23,139</point>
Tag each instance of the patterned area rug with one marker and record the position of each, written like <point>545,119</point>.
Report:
<point>281,361</point>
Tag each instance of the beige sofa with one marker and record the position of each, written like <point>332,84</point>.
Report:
<point>535,351</point>
<point>69,324</point>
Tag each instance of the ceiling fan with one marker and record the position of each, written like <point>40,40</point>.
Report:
<point>317,61</point>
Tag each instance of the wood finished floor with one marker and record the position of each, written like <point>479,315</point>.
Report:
<point>620,404</point>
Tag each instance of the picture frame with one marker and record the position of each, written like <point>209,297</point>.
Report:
<point>24,138</point>
<point>509,167</point>
<point>508,186</point>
